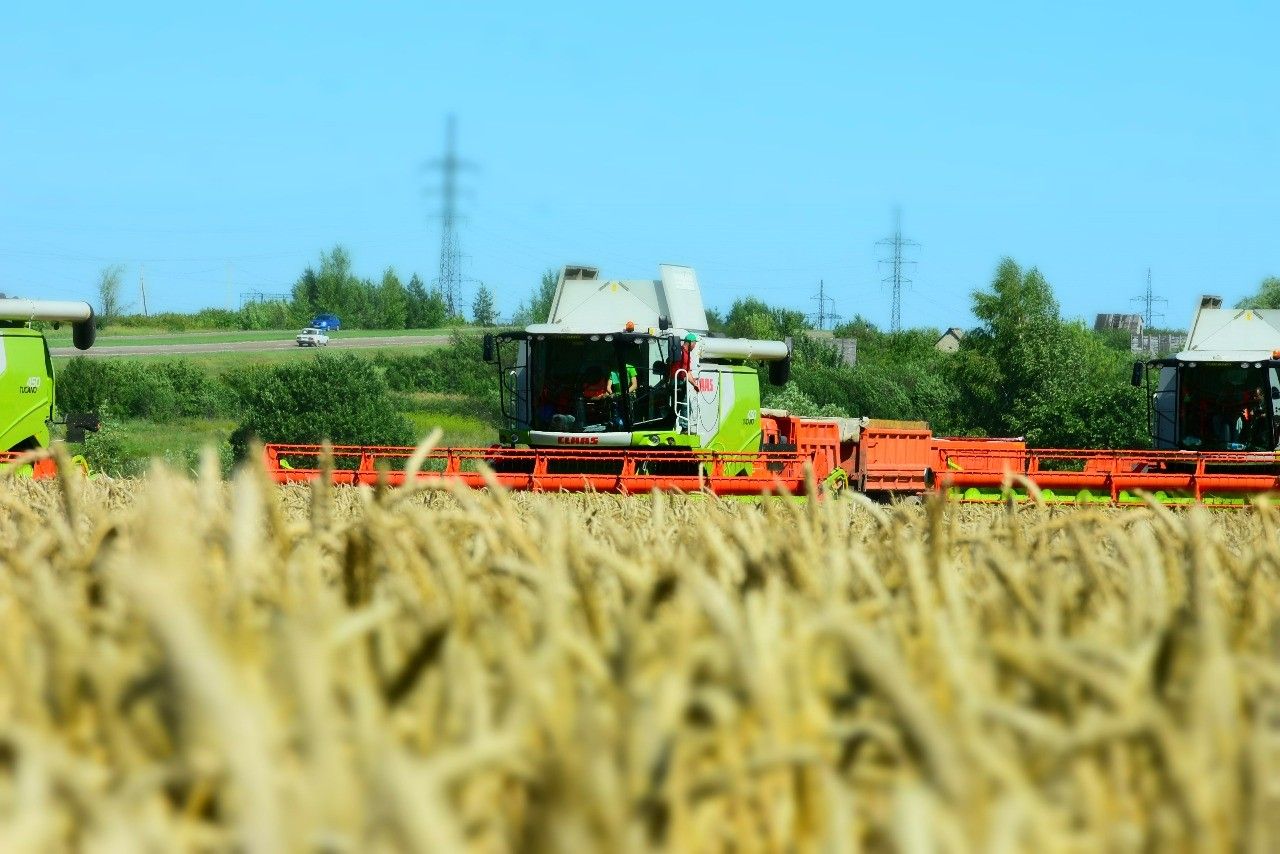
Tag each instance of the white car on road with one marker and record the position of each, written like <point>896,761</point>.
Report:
<point>311,337</point>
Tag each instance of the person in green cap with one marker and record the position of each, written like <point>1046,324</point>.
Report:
<point>683,360</point>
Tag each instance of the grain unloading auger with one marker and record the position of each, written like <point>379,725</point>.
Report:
<point>624,389</point>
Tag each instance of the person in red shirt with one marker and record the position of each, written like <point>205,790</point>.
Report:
<point>684,359</point>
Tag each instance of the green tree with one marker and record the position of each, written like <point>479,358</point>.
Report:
<point>392,302</point>
<point>1026,372</point>
<point>1267,295</point>
<point>752,318</point>
<point>437,309</point>
<point>416,297</point>
<point>795,401</point>
<point>1119,340</point>
<point>332,287</point>
<point>110,301</point>
<point>426,309</point>
<point>859,327</point>
<point>483,311</point>
<point>336,284</point>
<point>538,307</point>
<point>306,293</point>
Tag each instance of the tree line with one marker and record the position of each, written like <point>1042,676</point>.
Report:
<point>329,287</point>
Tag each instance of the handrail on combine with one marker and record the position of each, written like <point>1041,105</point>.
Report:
<point>624,470</point>
<point>679,401</point>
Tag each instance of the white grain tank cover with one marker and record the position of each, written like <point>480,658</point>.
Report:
<point>585,303</point>
<point>684,297</point>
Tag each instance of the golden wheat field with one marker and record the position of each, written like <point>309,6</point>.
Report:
<point>200,665</point>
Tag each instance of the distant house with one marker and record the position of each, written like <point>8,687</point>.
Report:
<point>950,340</point>
<point>1131,323</point>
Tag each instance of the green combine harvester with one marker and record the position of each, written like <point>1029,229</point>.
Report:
<point>27,395</point>
<point>631,364</point>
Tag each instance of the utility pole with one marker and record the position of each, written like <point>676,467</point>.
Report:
<point>823,316</point>
<point>1148,300</point>
<point>142,286</point>
<point>450,275</point>
<point>895,244</point>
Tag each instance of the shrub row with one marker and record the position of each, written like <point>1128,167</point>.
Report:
<point>172,321</point>
<point>157,391</point>
<point>456,369</point>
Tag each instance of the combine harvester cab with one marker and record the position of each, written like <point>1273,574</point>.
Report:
<point>27,394</point>
<point>1220,393</point>
<point>625,381</point>
<point>630,364</point>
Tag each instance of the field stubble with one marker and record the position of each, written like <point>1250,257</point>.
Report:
<point>203,664</point>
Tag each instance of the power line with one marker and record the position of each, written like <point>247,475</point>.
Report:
<point>450,276</point>
<point>824,316</point>
<point>1149,300</point>
<point>896,243</point>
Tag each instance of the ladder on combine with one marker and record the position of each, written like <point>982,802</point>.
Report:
<point>680,400</point>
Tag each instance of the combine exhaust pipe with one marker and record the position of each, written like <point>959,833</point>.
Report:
<point>78,314</point>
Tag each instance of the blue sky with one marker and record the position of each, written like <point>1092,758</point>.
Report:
<point>766,145</point>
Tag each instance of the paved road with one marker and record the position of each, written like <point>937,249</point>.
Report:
<point>105,349</point>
